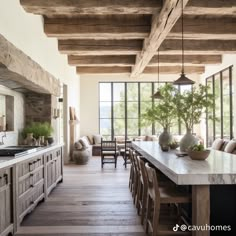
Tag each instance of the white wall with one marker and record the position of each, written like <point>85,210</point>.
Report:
<point>227,60</point>
<point>89,96</point>
<point>25,31</point>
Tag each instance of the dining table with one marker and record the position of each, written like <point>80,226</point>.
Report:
<point>212,183</point>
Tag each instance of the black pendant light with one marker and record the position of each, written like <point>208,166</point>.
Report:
<point>183,80</point>
<point>157,94</point>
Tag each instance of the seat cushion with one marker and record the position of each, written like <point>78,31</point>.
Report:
<point>230,147</point>
<point>110,152</point>
<point>217,144</point>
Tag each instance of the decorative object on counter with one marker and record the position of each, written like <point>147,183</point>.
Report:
<point>50,140</point>
<point>164,113</point>
<point>173,145</point>
<point>198,152</point>
<point>30,140</point>
<point>190,106</point>
<point>165,148</point>
<point>40,131</point>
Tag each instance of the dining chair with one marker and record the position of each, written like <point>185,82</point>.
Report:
<point>124,152</point>
<point>160,202</point>
<point>109,152</point>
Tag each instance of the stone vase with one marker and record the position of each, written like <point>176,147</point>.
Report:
<point>30,140</point>
<point>187,141</point>
<point>165,138</point>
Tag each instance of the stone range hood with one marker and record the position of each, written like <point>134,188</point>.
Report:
<point>20,73</point>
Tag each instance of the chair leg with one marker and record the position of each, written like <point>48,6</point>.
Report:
<point>155,219</point>
<point>148,212</point>
<point>125,160</point>
<point>102,161</point>
<point>144,204</point>
<point>115,161</point>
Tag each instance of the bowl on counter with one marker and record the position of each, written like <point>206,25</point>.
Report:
<point>199,155</point>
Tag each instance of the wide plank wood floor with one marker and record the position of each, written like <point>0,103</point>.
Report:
<point>90,201</point>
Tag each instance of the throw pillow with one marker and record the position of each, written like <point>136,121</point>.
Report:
<point>217,144</point>
<point>230,146</point>
<point>78,145</point>
<point>84,142</point>
<point>97,139</point>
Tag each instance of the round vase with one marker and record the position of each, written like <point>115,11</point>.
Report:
<point>187,141</point>
<point>50,140</point>
<point>165,138</point>
<point>30,140</point>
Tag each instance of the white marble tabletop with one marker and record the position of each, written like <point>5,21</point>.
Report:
<point>218,168</point>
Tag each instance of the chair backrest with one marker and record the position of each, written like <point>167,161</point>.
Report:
<point>128,145</point>
<point>136,164</point>
<point>142,170</point>
<point>108,145</point>
<point>152,181</point>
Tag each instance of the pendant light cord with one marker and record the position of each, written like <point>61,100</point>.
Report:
<point>182,19</point>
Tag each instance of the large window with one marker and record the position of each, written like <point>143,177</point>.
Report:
<point>121,106</point>
<point>221,126</point>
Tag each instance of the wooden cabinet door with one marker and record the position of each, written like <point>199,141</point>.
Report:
<point>5,200</point>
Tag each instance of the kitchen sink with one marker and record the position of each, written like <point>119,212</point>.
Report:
<point>14,151</point>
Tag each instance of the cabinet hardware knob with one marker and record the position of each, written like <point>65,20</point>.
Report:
<point>6,178</point>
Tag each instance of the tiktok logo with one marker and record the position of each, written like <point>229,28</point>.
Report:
<point>176,227</point>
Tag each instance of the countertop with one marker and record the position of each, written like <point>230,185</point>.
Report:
<point>218,168</point>
<point>9,161</point>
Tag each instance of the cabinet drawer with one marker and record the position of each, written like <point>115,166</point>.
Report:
<point>5,177</point>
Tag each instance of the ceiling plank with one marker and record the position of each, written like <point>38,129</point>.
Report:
<point>129,60</point>
<point>148,70</point>
<point>211,7</point>
<point>109,60</point>
<point>204,47</point>
<point>99,27</point>
<point>174,70</point>
<point>189,59</point>
<point>102,70</point>
<point>101,7</point>
<point>205,28</point>
<point>100,47</point>
<point>161,25</point>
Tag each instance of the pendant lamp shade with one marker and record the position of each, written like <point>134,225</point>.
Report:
<point>183,80</point>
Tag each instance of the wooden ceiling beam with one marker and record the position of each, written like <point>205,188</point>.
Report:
<point>174,70</point>
<point>211,8</point>
<point>189,59</point>
<point>99,27</point>
<point>148,70</point>
<point>162,24</point>
<point>129,60</point>
<point>205,28</point>
<point>94,7</point>
<point>195,47</point>
<point>100,47</point>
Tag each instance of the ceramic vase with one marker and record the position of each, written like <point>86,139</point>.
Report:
<point>165,138</point>
<point>187,141</point>
<point>30,140</point>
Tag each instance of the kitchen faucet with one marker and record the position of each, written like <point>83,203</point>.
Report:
<point>3,136</point>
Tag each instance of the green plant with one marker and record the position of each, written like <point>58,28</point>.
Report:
<point>197,147</point>
<point>38,129</point>
<point>192,104</point>
<point>164,112</point>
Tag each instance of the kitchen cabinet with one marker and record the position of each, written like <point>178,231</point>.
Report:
<point>6,202</point>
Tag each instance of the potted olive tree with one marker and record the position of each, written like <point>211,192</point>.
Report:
<point>190,106</point>
<point>164,112</point>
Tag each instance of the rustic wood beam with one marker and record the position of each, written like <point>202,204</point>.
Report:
<point>174,70</point>
<point>210,8</point>
<point>205,28</point>
<point>99,27</point>
<point>102,70</point>
<point>129,60</point>
<point>110,60</point>
<point>148,70</point>
<point>101,7</point>
<point>189,59</point>
<point>23,71</point>
<point>100,47</point>
<point>161,25</point>
<point>196,47</point>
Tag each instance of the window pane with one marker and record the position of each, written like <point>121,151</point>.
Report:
<point>118,91</point>
<point>210,129</point>
<point>105,126</point>
<point>132,127</point>
<point>105,91</point>
<point>119,109</point>
<point>119,127</point>
<point>105,109</point>
<point>145,106</point>
<point>132,91</point>
<point>217,107</point>
<point>147,130</point>
<point>145,92</point>
<point>132,110</point>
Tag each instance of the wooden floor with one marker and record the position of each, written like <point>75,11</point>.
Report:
<point>90,201</point>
